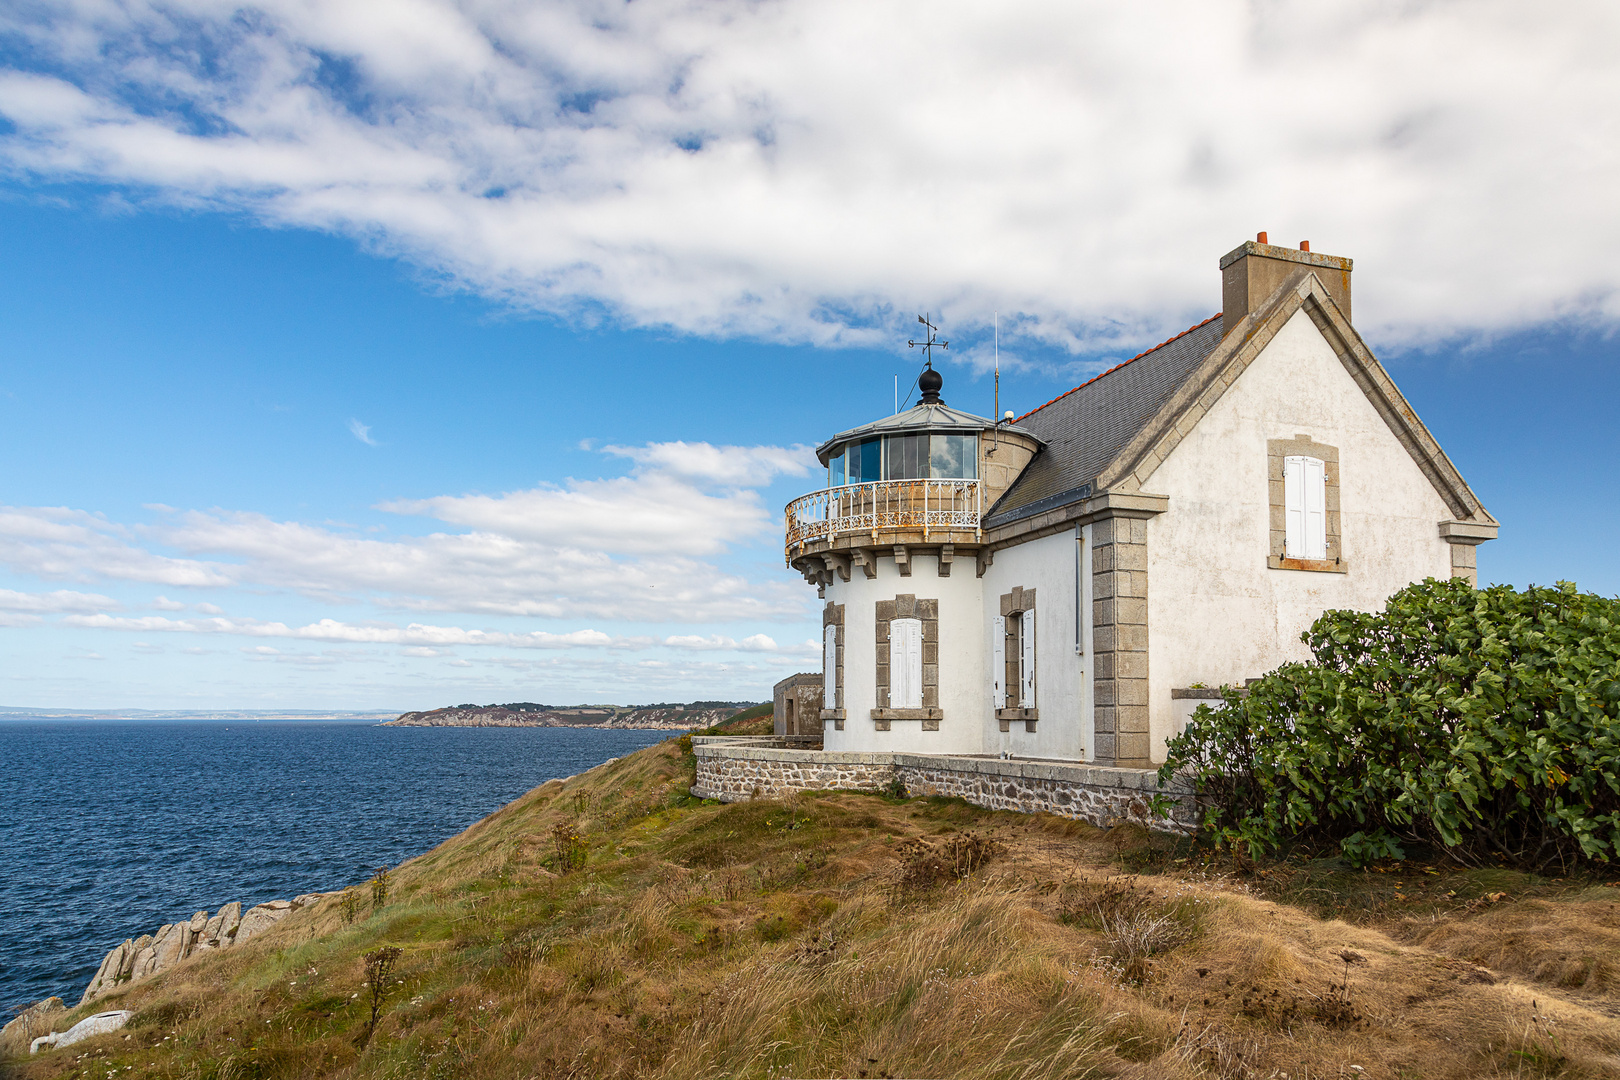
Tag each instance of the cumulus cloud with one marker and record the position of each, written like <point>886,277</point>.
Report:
<point>624,549</point>
<point>56,602</point>
<point>64,544</point>
<point>731,466</point>
<point>813,171</point>
<point>424,640</point>
<point>681,499</point>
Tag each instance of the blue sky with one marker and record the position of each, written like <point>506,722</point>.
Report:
<point>308,402</point>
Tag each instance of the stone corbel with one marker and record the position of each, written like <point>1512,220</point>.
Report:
<point>836,562</point>
<point>986,557</point>
<point>902,560</point>
<point>866,559</point>
<point>947,552</point>
<point>1467,532</point>
<point>1464,537</point>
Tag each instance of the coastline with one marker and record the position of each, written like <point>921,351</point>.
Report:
<point>317,806</point>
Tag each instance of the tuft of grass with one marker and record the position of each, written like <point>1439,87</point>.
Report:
<point>774,938</point>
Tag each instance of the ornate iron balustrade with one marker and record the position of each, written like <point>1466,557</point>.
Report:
<point>925,505</point>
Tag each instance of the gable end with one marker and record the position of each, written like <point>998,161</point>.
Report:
<point>1152,445</point>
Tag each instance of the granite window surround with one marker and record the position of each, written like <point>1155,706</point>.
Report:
<point>1012,607</point>
<point>833,615</point>
<point>907,606</point>
<point>1278,451</point>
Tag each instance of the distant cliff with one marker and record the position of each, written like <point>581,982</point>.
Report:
<point>698,714</point>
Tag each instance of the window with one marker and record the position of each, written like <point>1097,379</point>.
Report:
<point>953,457</point>
<point>1306,524</point>
<point>905,664</point>
<point>908,457</point>
<point>1305,508</point>
<point>864,462</point>
<point>1012,657</point>
<point>918,456</point>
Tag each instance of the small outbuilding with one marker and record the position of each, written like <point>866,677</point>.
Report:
<point>797,705</point>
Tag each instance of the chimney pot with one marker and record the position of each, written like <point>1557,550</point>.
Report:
<point>1304,245</point>
<point>1260,237</point>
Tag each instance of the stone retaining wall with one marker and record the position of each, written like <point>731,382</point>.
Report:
<point>731,770</point>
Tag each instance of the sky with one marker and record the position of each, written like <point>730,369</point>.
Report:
<point>387,356</point>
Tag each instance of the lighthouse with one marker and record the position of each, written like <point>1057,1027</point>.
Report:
<point>895,545</point>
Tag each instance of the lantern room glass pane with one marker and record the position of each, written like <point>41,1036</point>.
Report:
<point>953,457</point>
<point>908,457</point>
<point>864,462</point>
<point>835,470</point>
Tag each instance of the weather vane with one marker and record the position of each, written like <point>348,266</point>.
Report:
<point>929,345</point>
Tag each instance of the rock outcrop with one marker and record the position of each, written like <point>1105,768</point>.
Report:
<point>36,1020</point>
<point>139,958</point>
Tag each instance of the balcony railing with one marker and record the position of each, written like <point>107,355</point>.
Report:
<point>922,505</point>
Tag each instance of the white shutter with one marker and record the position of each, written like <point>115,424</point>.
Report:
<point>905,664</point>
<point>1315,509</point>
<point>1294,507</point>
<point>829,668</point>
<point>998,660</point>
<point>914,651</point>
<point>1026,662</point>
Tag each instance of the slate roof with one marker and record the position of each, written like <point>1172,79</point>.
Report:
<point>1084,429</point>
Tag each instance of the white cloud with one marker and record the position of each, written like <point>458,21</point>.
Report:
<point>423,640</point>
<point>56,602</point>
<point>620,549</point>
<point>361,432</point>
<point>681,499</point>
<point>808,170</point>
<point>730,466</point>
<point>59,543</point>
<point>752,643</point>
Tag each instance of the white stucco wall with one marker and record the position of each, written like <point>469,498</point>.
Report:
<point>1046,565</point>
<point>1216,613</point>
<point>964,687</point>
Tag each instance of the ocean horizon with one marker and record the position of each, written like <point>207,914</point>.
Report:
<point>117,826</point>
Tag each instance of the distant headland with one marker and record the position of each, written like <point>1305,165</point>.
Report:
<point>662,717</point>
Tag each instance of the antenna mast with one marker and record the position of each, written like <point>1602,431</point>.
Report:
<point>996,322</point>
<point>995,443</point>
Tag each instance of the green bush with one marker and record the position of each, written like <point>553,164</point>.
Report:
<point>1483,721</point>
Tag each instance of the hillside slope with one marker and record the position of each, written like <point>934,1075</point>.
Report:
<point>861,936</point>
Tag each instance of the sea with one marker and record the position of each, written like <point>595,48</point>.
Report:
<point>109,829</point>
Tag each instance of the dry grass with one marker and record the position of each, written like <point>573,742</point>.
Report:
<point>852,935</point>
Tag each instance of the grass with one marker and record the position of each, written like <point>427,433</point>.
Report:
<point>864,936</point>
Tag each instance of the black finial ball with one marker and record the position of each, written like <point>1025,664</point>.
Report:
<point>929,382</point>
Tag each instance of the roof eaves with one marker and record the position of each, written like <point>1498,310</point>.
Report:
<point>1051,502</point>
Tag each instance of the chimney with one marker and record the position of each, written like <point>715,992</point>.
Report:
<point>1251,273</point>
